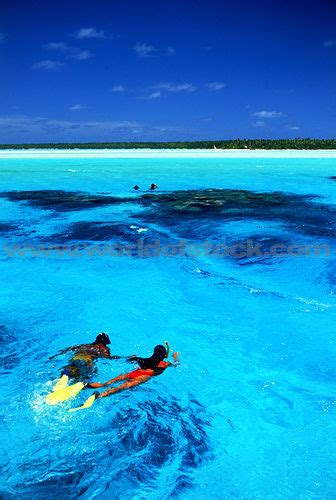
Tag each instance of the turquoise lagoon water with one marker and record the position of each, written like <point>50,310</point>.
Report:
<point>251,410</point>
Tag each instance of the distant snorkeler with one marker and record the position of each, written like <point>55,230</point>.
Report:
<point>81,367</point>
<point>148,368</point>
<point>153,187</point>
<point>136,188</point>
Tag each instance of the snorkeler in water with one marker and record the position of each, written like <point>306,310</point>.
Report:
<point>148,368</point>
<point>81,365</point>
<point>81,368</point>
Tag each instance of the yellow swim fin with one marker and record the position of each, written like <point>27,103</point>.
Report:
<point>64,394</point>
<point>62,383</point>
<point>88,403</point>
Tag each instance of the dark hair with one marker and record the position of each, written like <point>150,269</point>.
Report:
<point>102,338</point>
<point>160,352</point>
<point>158,355</point>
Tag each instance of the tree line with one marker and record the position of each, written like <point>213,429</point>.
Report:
<point>220,144</point>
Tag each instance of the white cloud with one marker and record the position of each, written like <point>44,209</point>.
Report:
<point>259,123</point>
<point>2,36</point>
<point>87,33</point>
<point>175,87</point>
<point>144,49</point>
<point>77,107</point>
<point>118,88</point>
<point>68,51</point>
<point>161,89</point>
<point>82,55</point>
<point>34,129</point>
<point>215,85</point>
<point>49,65</point>
<point>294,127</point>
<point>267,114</point>
<point>329,43</point>
<point>44,128</point>
<point>154,95</point>
<point>170,51</point>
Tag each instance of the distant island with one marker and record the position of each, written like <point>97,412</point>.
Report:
<point>220,144</point>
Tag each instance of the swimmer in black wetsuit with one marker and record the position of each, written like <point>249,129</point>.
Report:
<point>148,368</point>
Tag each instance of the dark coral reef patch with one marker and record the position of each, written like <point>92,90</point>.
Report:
<point>194,213</point>
<point>302,213</point>
<point>88,231</point>
<point>7,228</point>
<point>63,201</point>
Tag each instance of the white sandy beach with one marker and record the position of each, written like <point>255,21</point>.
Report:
<point>165,153</point>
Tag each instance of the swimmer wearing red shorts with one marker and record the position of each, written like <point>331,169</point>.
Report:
<point>148,368</point>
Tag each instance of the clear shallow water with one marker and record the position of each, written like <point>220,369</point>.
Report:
<point>250,412</point>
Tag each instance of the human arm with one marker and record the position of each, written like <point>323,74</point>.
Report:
<point>63,351</point>
<point>133,359</point>
<point>176,360</point>
<point>127,358</point>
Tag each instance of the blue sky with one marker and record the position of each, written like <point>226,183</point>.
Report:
<point>166,70</point>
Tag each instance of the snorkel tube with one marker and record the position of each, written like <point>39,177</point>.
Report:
<point>167,348</point>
